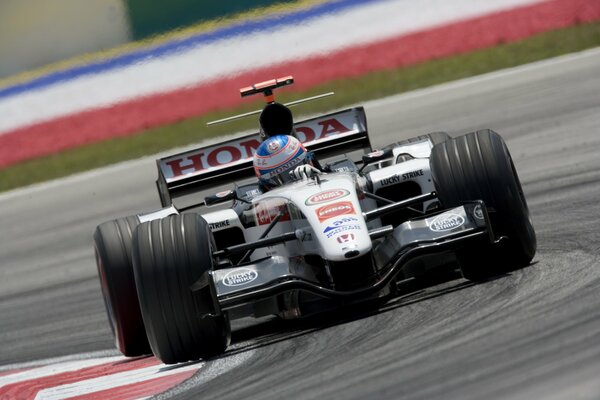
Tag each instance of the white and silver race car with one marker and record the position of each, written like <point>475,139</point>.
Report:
<point>173,279</point>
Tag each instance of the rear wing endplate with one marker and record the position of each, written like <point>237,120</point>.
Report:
<point>227,162</point>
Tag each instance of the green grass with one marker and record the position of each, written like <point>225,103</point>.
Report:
<point>348,91</point>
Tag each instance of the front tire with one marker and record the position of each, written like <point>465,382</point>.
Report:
<point>169,255</point>
<point>112,245</point>
<point>478,166</point>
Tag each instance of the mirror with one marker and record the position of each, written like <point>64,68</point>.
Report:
<point>220,197</point>
<point>376,155</point>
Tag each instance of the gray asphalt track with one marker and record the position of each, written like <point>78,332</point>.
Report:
<point>534,333</point>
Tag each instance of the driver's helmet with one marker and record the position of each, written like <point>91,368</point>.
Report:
<point>276,157</point>
<point>276,119</point>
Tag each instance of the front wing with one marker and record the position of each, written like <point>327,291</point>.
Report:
<point>448,230</point>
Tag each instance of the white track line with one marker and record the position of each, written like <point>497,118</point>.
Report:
<point>112,381</point>
<point>55,369</point>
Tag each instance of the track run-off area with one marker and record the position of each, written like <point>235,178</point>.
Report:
<point>532,333</point>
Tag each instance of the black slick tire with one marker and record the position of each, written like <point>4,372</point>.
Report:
<point>169,256</point>
<point>478,166</point>
<point>112,245</point>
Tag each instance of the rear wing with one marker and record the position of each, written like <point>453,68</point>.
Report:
<point>230,161</point>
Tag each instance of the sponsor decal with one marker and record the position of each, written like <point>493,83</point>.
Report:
<point>392,180</point>
<point>322,129</point>
<point>224,193</point>
<point>273,146</point>
<point>412,174</point>
<point>340,229</point>
<point>346,237</point>
<point>263,216</point>
<point>341,225</point>
<point>239,277</point>
<point>219,225</point>
<point>261,162</point>
<point>282,168</point>
<point>446,222</point>
<point>217,156</point>
<point>342,169</point>
<point>478,212</point>
<point>250,194</point>
<point>241,150</point>
<point>339,222</point>
<point>335,210</point>
<point>326,196</point>
<point>268,209</point>
<point>292,147</point>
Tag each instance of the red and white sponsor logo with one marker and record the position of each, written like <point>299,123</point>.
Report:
<point>264,216</point>
<point>268,209</point>
<point>346,238</point>
<point>326,196</point>
<point>376,153</point>
<point>241,150</point>
<point>209,158</point>
<point>224,193</point>
<point>335,210</point>
<point>273,147</point>
<point>321,129</point>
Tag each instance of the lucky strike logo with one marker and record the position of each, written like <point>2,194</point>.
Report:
<point>326,196</point>
<point>335,210</point>
<point>237,151</point>
<point>239,277</point>
<point>446,222</point>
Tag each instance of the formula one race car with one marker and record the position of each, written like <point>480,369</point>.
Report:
<point>173,279</point>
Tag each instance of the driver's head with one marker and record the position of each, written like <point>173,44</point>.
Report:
<point>276,119</point>
<point>276,157</point>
